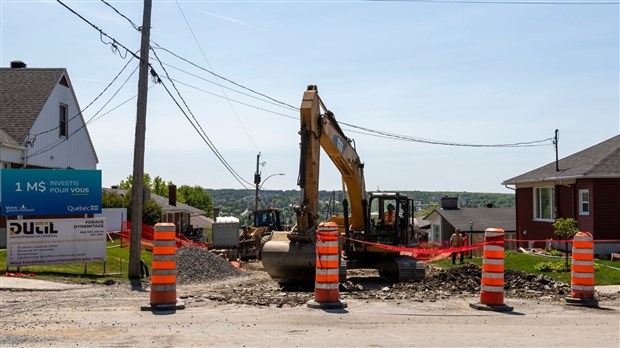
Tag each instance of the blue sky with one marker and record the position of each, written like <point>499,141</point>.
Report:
<point>460,72</point>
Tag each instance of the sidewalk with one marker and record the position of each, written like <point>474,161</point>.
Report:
<point>28,284</point>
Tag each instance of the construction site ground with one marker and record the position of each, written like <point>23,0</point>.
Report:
<point>248,309</point>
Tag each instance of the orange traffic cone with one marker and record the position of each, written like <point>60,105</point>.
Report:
<point>164,270</point>
<point>582,272</point>
<point>326,285</point>
<point>492,281</point>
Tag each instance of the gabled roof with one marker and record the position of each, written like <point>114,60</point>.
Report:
<point>481,218</point>
<point>599,161</point>
<point>163,203</point>
<point>23,93</point>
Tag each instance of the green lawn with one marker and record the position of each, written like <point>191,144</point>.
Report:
<point>525,262</point>
<point>115,267</point>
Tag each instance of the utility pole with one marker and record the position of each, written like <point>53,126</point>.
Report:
<point>256,181</point>
<point>555,142</point>
<point>137,185</point>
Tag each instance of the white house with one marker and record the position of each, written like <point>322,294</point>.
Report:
<point>41,125</point>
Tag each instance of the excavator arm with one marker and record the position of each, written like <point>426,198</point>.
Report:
<point>289,257</point>
<point>319,129</point>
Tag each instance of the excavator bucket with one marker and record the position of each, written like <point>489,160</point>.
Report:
<point>289,262</point>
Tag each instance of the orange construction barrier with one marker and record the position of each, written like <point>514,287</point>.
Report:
<point>164,269</point>
<point>326,286</point>
<point>492,281</point>
<point>582,271</point>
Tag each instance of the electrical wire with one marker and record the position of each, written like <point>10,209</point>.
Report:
<point>197,126</point>
<point>508,2</point>
<point>216,79</point>
<point>288,107</point>
<point>235,101</point>
<point>224,78</point>
<point>59,141</point>
<point>89,104</point>
<point>134,25</point>
<point>101,32</point>
<point>441,142</point>
<point>154,74</point>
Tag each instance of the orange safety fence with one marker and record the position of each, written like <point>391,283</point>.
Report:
<point>147,236</point>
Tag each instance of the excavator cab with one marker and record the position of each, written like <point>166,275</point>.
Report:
<point>390,219</point>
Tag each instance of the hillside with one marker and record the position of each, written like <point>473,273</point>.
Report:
<point>234,202</point>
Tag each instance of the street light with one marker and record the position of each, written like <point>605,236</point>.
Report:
<point>259,187</point>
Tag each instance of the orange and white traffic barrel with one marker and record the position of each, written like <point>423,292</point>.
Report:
<point>492,280</point>
<point>163,269</point>
<point>582,271</point>
<point>326,285</point>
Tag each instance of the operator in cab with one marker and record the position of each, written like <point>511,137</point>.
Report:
<point>389,216</point>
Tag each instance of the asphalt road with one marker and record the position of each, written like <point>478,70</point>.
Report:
<point>60,315</point>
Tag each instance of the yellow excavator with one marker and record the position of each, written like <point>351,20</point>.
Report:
<point>382,218</point>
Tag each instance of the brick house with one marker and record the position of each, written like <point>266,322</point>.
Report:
<point>586,188</point>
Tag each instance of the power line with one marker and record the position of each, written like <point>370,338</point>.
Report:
<point>114,43</point>
<point>55,144</point>
<point>288,107</point>
<point>509,2</point>
<point>154,74</point>
<point>216,79</point>
<point>134,25</point>
<point>441,142</point>
<point>368,131</point>
<point>233,100</point>
<point>196,126</point>
<point>89,104</point>
<point>224,78</point>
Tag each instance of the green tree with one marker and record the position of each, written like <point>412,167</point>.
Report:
<point>565,228</point>
<point>157,185</point>
<point>111,200</point>
<point>160,187</point>
<point>196,197</point>
<point>422,213</point>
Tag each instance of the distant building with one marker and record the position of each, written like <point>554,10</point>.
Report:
<point>584,186</point>
<point>174,212</point>
<point>471,221</point>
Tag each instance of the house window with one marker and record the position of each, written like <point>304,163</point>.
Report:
<point>584,202</point>
<point>63,125</point>
<point>436,234</point>
<point>544,203</point>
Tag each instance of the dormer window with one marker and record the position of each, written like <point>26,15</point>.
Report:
<point>63,116</point>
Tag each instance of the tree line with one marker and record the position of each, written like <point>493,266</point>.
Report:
<point>234,202</point>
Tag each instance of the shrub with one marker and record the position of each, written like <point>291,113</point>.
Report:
<point>557,266</point>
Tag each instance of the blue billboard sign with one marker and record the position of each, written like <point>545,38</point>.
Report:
<point>30,192</point>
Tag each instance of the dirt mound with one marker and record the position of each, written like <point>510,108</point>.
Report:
<point>463,281</point>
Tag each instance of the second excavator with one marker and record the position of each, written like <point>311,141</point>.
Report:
<point>381,218</point>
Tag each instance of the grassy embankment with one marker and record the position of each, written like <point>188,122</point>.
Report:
<point>117,265</point>
<point>115,268</point>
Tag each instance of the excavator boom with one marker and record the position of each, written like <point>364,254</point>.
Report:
<point>289,257</point>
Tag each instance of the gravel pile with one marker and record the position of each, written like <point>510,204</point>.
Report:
<point>199,265</point>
